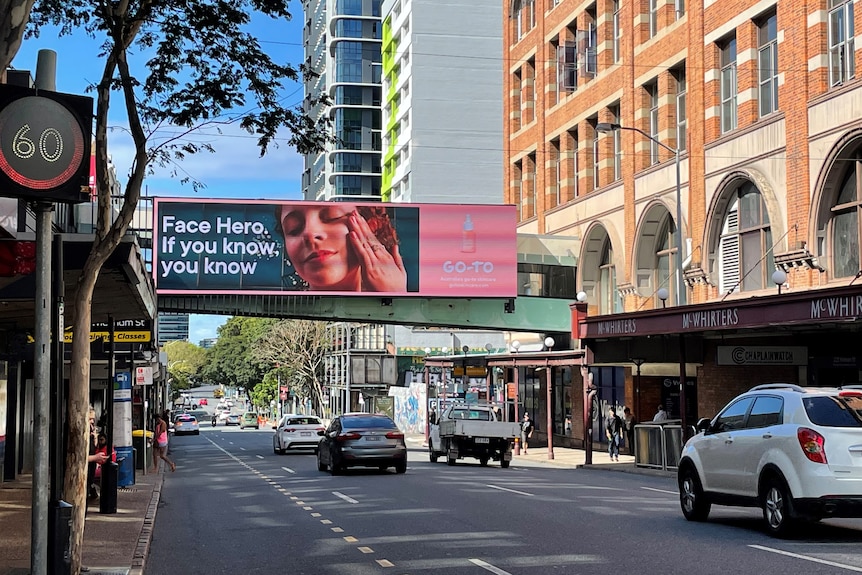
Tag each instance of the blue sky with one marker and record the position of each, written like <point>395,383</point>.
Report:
<point>235,170</point>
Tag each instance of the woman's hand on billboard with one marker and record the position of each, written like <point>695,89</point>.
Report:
<point>381,271</point>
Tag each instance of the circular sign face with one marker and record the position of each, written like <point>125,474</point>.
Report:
<point>41,143</point>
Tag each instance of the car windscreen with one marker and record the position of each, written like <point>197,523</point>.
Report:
<point>303,421</point>
<point>474,414</point>
<point>186,419</point>
<point>834,411</point>
<point>367,422</point>
<point>250,416</point>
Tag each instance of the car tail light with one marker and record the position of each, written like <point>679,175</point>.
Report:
<point>320,429</point>
<point>813,444</point>
<point>394,435</point>
<point>290,431</point>
<point>847,393</point>
<point>347,436</point>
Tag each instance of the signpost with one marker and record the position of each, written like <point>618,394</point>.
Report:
<point>44,158</point>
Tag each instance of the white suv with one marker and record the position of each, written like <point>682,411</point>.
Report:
<point>795,452</point>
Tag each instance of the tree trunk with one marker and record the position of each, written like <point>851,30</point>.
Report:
<point>14,16</point>
<point>78,403</point>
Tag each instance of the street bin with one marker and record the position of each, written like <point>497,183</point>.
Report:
<point>60,538</point>
<point>108,488</point>
<point>142,447</point>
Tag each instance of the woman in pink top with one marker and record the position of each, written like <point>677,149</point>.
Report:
<point>160,446</point>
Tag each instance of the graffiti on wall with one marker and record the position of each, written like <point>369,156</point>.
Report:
<point>409,410</point>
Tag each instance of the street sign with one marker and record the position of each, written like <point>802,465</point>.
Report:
<point>144,375</point>
<point>44,145</point>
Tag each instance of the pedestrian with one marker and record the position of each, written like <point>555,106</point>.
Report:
<point>160,444</point>
<point>102,449</point>
<point>432,415</point>
<point>629,425</point>
<point>93,458</point>
<point>661,414</point>
<point>527,428</point>
<point>614,429</point>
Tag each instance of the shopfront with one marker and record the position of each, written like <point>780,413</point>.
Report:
<point>724,348</point>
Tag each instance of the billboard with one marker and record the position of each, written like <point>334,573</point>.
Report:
<point>259,247</point>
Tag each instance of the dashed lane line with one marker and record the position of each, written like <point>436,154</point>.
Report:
<point>345,497</point>
<point>366,550</point>
<point>259,456</point>
<point>385,563</point>
<point>511,490</point>
<point>660,490</point>
<point>807,558</point>
<point>288,470</point>
<point>489,567</point>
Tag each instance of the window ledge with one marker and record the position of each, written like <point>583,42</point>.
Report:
<point>695,275</point>
<point>800,258</point>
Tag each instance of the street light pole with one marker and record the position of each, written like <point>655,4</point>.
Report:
<point>606,127</point>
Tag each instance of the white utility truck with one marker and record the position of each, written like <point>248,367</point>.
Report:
<point>472,431</point>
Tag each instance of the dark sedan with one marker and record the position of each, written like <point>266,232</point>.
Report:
<point>361,440</point>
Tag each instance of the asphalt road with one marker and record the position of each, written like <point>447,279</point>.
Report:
<point>233,506</point>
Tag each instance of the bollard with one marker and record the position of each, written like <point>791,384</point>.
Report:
<point>108,490</point>
<point>60,538</point>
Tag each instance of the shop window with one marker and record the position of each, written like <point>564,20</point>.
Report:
<point>844,224</point>
<point>665,263</point>
<point>767,61</point>
<point>842,51</point>
<point>728,86</point>
<point>745,256</point>
<point>609,299</point>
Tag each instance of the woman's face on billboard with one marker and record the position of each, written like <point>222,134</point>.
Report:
<point>315,238</point>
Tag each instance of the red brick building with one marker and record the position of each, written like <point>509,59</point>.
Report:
<point>762,104</point>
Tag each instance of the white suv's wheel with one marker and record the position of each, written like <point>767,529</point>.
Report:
<point>777,507</point>
<point>695,506</point>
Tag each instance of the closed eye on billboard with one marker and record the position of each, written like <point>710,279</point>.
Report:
<point>270,247</point>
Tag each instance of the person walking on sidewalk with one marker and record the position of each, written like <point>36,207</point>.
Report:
<point>661,414</point>
<point>160,445</point>
<point>526,431</point>
<point>613,429</point>
<point>629,426</point>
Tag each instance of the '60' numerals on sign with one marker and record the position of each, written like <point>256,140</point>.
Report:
<point>24,147</point>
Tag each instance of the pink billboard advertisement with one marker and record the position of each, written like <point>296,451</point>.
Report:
<point>260,247</point>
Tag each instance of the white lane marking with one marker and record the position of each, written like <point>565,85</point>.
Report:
<point>511,491</point>
<point>807,558</point>
<point>661,490</point>
<point>231,442</point>
<point>288,470</point>
<point>242,448</point>
<point>343,496</point>
<point>488,567</point>
<point>259,456</point>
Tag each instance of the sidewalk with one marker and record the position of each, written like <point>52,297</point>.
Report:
<point>114,544</point>
<point>117,544</point>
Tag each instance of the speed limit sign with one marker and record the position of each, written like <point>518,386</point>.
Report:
<point>44,144</point>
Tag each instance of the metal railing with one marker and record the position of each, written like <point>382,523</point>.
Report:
<point>658,445</point>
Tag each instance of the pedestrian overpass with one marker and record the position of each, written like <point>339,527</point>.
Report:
<point>546,265</point>
<point>523,313</point>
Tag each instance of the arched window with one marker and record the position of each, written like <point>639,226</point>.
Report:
<point>665,263</point>
<point>745,258</point>
<point>609,299</point>
<point>844,231</point>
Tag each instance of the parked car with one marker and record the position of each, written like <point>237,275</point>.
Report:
<point>232,419</point>
<point>185,424</point>
<point>249,419</point>
<point>361,440</point>
<point>795,452</point>
<point>296,431</point>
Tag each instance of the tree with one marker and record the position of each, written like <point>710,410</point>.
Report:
<point>298,346</point>
<point>201,64</point>
<point>231,361</point>
<point>14,16</point>
<point>185,361</point>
